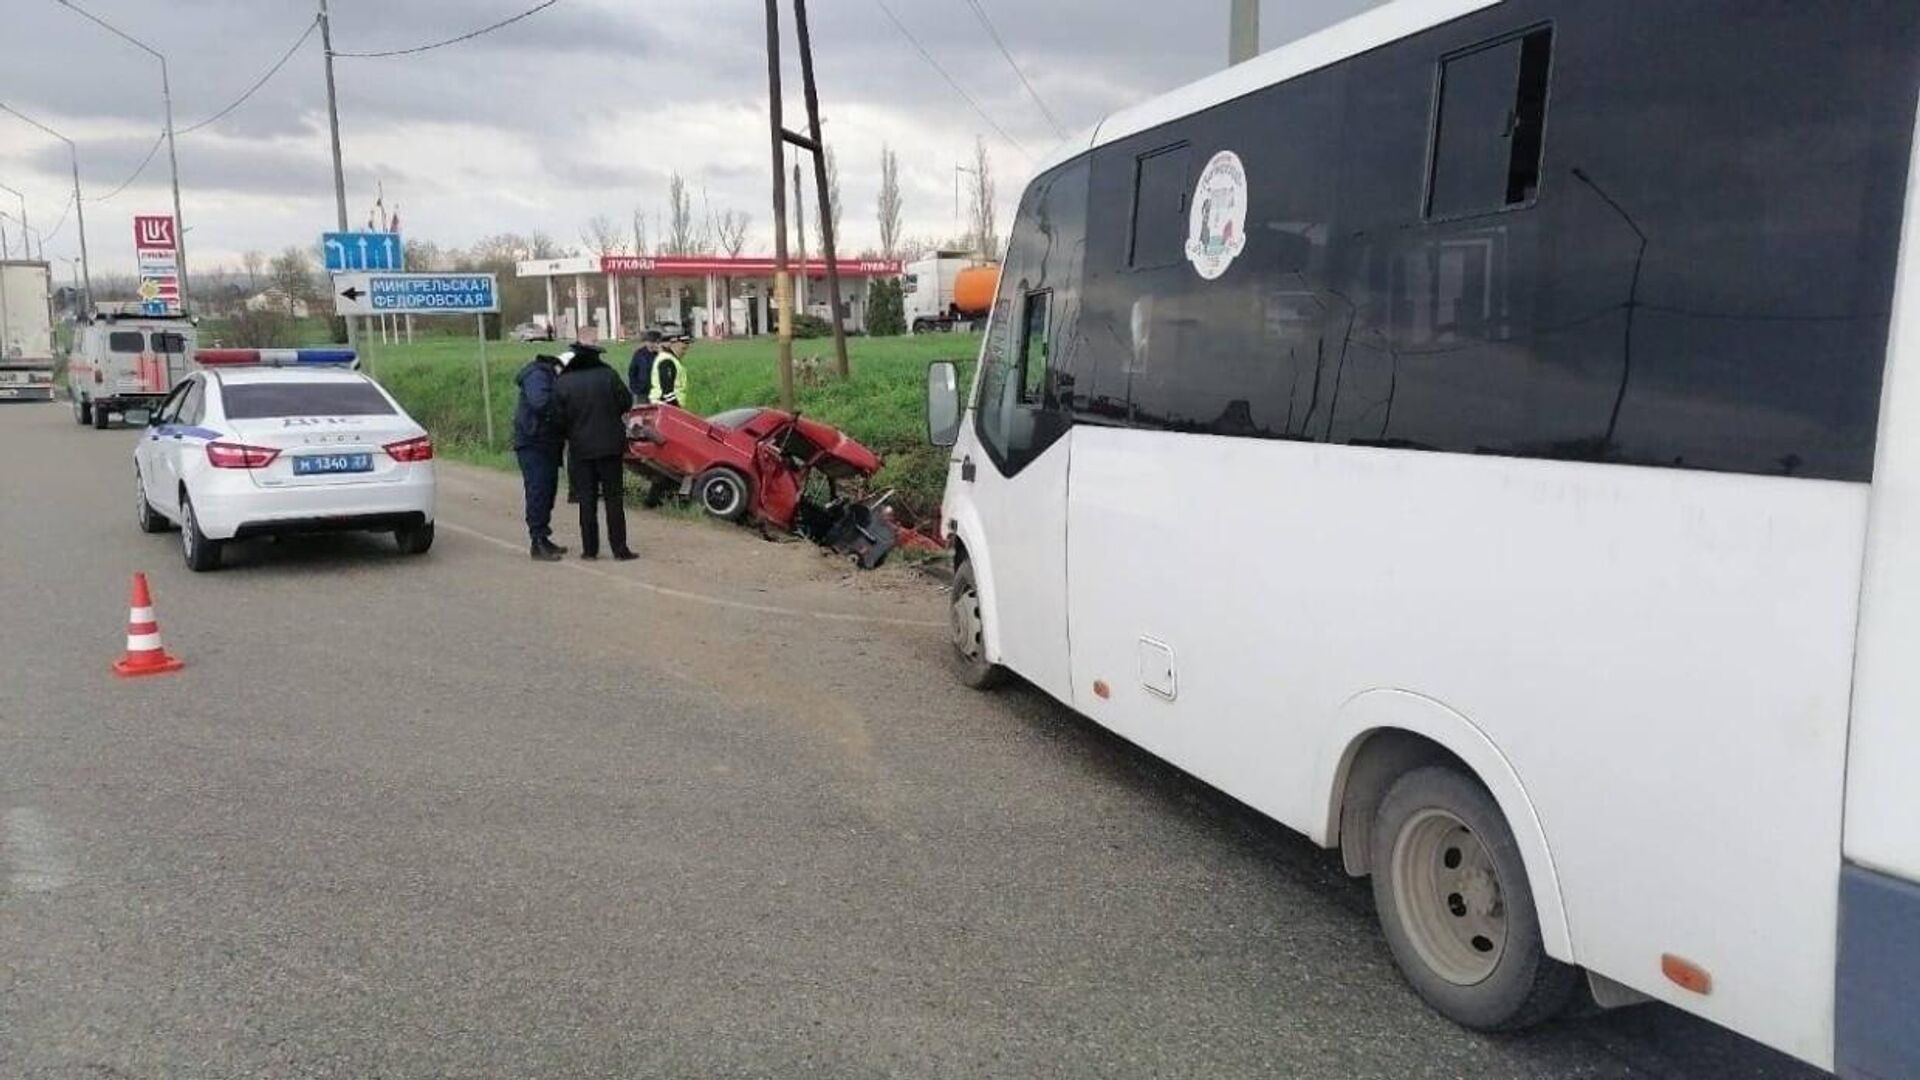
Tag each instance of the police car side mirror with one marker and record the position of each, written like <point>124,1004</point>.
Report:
<point>943,403</point>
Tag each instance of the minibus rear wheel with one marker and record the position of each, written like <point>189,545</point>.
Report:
<point>1453,899</point>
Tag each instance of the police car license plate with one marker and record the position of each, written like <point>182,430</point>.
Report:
<point>317,464</point>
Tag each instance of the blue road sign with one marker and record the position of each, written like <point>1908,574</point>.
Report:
<point>415,294</point>
<point>363,251</point>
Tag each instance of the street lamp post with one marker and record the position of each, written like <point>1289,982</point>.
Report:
<point>24,227</point>
<point>79,204</point>
<point>173,160</point>
<point>26,249</point>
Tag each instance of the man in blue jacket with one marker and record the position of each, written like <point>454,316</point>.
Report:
<point>537,440</point>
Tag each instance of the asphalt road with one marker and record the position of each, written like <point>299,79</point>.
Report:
<point>467,815</point>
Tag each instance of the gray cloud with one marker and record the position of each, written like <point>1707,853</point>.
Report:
<point>583,108</point>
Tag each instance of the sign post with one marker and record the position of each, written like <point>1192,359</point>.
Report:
<point>486,378</point>
<point>156,244</point>
<point>378,293</point>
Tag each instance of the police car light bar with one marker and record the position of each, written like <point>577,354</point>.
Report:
<point>276,357</point>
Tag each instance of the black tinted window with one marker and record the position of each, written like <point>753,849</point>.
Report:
<point>127,341</point>
<point>1159,207</point>
<point>1489,124</point>
<point>1694,267</point>
<point>258,401</point>
<point>1034,334</point>
<point>166,341</point>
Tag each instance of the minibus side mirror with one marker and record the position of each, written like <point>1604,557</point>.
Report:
<point>943,403</point>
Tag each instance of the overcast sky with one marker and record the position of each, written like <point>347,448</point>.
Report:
<point>583,108</point>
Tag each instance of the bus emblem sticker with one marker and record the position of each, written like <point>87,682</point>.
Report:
<point>1217,222</point>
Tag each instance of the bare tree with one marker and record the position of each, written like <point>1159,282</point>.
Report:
<point>982,213</point>
<point>890,203</point>
<point>831,211</point>
<point>292,273</point>
<point>255,264</point>
<point>639,232</point>
<point>424,255</point>
<point>730,231</point>
<point>683,228</point>
<point>602,236</point>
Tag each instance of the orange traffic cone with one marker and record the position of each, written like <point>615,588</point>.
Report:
<point>145,656</point>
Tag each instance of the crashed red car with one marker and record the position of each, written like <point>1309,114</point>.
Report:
<point>743,463</point>
<point>761,465</point>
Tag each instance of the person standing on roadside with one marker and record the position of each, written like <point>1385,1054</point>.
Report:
<point>537,442</point>
<point>640,368</point>
<point>669,384</point>
<point>590,402</point>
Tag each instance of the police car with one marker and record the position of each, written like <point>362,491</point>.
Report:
<point>267,442</point>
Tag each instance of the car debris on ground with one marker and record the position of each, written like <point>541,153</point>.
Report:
<point>777,470</point>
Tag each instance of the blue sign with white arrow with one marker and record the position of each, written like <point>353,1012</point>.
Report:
<point>415,294</point>
<point>363,251</point>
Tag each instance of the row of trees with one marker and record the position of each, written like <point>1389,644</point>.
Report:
<point>689,225</point>
<point>689,229</point>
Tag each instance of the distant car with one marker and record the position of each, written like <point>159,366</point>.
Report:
<point>532,332</point>
<point>243,449</point>
<point>671,331</point>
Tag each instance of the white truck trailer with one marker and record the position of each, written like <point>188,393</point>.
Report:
<point>26,330</point>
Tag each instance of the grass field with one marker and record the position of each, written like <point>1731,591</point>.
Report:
<point>883,405</point>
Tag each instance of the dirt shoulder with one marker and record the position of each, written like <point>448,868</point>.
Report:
<point>691,558</point>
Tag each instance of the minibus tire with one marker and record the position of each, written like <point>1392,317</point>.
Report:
<point>1452,895</point>
<point>101,417</point>
<point>963,603</point>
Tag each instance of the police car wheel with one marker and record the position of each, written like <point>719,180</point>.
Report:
<point>414,539</point>
<point>149,519</point>
<point>722,493</point>
<point>201,553</point>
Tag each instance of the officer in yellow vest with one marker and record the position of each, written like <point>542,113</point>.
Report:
<point>670,375</point>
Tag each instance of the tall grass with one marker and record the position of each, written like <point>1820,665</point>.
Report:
<point>882,405</point>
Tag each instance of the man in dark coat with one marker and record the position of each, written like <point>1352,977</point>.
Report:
<point>537,442</point>
<point>590,402</point>
<point>640,368</point>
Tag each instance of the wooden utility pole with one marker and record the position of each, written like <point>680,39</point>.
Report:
<point>824,199</point>
<point>810,142</point>
<point>782,283</point>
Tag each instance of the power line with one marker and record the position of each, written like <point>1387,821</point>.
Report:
<point>957,88</point>
<point>469,36</point>
<point>262,81</point>
<point>65,212</point>
<point>128,182</point>
<point>987,24</point>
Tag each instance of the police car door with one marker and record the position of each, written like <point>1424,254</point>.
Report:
<point>176,440</point>
<point>147,455</point>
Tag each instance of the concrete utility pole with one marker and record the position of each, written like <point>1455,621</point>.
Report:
<point>1243,31</point>
<point>782,282</point>
<point>800,237</point>
<point>173,160</point>
<point>24,226</point>
<point>339,173</point>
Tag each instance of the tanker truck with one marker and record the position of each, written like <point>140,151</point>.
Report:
<point>26,330</point>
<point>948,290</point>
